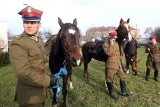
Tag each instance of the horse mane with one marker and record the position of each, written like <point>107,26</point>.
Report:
<point>57,42</point>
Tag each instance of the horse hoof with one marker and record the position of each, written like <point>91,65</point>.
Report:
<point>127,72</point>
<point>55,105</point>
<point>135,73</point>
<point>70,86</point>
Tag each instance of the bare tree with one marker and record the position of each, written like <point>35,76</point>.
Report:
<point>46,33</point>
<point>148,32</point>
<point>10,35</point>
<point>156,32</point>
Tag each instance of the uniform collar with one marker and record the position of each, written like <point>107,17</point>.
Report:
<point>33,37</point>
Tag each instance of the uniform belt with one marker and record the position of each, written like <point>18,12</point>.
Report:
<point>114,57</point>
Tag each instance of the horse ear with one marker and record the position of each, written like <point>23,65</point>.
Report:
<point>128,20</point>
<point>60,22</point>
<point>75,22</point>
<point>121,21</point>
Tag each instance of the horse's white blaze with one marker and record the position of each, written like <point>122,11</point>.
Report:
<point>71,31</point>
<point>129,36</point>
<point>78,62</point>
<point>70,85</point>
<point>126,25</point>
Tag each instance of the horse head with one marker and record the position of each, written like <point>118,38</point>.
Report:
<point>70,35</point>
<point>123,31</point>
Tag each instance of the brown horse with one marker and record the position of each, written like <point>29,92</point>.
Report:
<point>65,52</point>
<point>123,34</point>
<point>130,51</point>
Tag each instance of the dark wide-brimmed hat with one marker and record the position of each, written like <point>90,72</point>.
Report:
<point>30,14</point>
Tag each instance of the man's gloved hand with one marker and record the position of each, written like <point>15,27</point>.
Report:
<point>53,80</point>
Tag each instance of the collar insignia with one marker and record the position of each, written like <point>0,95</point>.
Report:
<point>29,9</point>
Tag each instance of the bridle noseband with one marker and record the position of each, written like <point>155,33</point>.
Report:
<point>67,50</point>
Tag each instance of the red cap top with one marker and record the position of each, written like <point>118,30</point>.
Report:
<point>30,14</point>
<point>113,34</point>
<point>152,37</point>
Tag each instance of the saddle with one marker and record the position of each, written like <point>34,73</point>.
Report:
<point>96,47</point>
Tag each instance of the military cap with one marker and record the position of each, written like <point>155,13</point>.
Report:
<point>152,37</point>
<point>113,34</point>
<point>30,14</point>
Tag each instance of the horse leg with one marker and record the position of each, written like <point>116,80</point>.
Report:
<point>70,83</point>
<point>86,61</point>
<point>64,90</point>
<point>127,66</point>
<point>54,100</point>
<point>133,63</point>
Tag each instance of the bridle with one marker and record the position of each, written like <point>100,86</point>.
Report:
<point>65,48</point>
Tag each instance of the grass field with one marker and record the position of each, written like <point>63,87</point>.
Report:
<point>94,94</point>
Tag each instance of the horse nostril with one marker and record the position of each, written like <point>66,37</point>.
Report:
<point>73,60</point>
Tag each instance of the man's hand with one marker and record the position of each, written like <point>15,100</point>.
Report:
<point>53,80</point>
<point>112,40</point>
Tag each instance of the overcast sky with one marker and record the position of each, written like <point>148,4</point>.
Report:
<point>89,13</point>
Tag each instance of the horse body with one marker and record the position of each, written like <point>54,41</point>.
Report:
<point>88,54</point>
<point>123,34</point>
<point>130,51</point>
<point>65,52</point>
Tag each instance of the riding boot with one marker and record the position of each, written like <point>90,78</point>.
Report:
<point>147,75</point>
<point>156,75</point>
<point>110,89</point>
<point>123,89</point>
<point>135,72</point>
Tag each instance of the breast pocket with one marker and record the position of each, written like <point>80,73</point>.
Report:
<point>35,55</point>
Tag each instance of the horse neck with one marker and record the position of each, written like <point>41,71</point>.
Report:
<point>58,46</point>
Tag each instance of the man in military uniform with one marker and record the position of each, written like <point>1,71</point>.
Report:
<point>28,59</point>
<point>113,65</point>
<point>153,59</point>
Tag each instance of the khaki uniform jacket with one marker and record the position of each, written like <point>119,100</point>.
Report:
<point>153,59</point>
<point>28,58</point>
<point>112,51</point>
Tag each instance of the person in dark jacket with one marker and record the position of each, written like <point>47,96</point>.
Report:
<point>113,65</point>
<point>153,59</point>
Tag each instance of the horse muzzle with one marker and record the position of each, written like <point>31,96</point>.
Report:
<point>76,62</point>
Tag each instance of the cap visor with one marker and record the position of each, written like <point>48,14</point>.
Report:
<point>31,19</point>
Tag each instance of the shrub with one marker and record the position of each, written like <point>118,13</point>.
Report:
<point>4,58</point>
